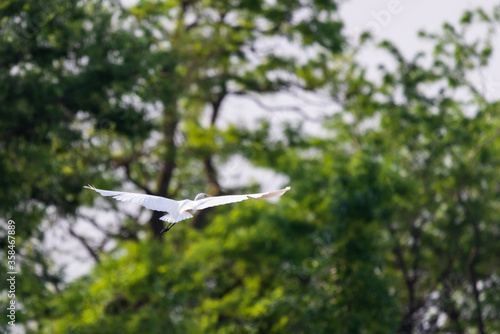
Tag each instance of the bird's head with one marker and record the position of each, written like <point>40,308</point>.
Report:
<point>201,196</point>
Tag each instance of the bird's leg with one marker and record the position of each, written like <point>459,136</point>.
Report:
<point>167,228</point>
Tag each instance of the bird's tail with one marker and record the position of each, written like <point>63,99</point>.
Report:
<point>175,219</point>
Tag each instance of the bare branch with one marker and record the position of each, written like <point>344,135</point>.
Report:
<point>124,233</point>
<point>85,244</point>
<point>94,223</point>
<point>139,185</point>
<point>266,107</point>
<point>126,162</point>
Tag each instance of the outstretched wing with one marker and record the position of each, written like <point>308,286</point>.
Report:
<point>221,200</point>
<point>148,201</point>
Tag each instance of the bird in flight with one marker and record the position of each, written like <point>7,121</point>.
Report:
<point>184,209</point>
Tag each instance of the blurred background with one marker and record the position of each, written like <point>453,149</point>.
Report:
<point>382,116</point>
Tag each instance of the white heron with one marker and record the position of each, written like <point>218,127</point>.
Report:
<point>184,209</point>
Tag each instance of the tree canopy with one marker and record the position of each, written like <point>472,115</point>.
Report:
<point>392,222</point>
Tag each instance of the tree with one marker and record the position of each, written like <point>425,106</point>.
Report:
<point>114,95</point>
<point>409,190</point>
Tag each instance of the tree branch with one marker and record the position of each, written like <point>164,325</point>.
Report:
<point>126,162</point>
<point>446,298</point>
<point>407,322</point>
<point>264,106</point>
<point>124,233</point>
<point>471,265</point>
<point>85,244</point>
<point>210,171</point>
<point>139,185</point>
<point>169,128</point>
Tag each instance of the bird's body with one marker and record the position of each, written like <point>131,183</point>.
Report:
<point>184,209</point>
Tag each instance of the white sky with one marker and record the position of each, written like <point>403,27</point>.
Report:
<point>396,20</point>
<point>400,27</point>
<point>400,20</point>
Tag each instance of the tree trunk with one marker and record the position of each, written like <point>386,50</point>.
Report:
<point>170,126</point>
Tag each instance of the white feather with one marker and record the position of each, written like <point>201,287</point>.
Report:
<point>175,219</point>
<point>221,200</point>
<point>180,210</point>
<point>151,202</point>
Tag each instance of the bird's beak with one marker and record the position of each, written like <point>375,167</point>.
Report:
<point>208,195</point>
